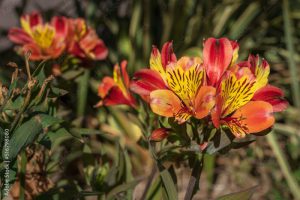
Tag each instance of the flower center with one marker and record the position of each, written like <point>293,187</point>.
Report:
<point>43,35</point>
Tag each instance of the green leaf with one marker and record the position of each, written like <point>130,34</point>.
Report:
<point>48,120</point>
<point>14,105</point>
<point>122,188</point>
<point>46,142</point>
<point>244,20</point>
<point>168,184</point>
<point>155,190</point>
<point>221,140</point>
<point>57,137</point>
<point>23,136</point>
<point>42,107</point>
<point>128,173</point>
<point>39,73</point>
<point>82,91</point>
<point>72,74</point>
<point>245,194</point>
<point>58,92</point>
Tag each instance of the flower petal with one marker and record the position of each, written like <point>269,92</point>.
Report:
<point>33,19</point>
<point>19,36</point>
<point>187,62</point>
<point>100,50</point>
<point>261,70</point>
<point>116,97</point>
<point>217,55</point>
<point>235,92</point>
<point>118,79</point>
<point>235,55</point>
<point>165,103</point>
<point>155,62</point>
<point>183,83</point>
<point>167,55</point>
<point>216,112</point>
<point>204,101</point>
<point>106,84</point>
<point>30,21</point>
<point>254,117</point>
<point>272,95</point>
<point>145,81</point>
<point>124,73</point>
<point>35,51</point>
<point>60,25</point>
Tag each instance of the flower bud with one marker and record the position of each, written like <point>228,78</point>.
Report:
<point>159,134</point>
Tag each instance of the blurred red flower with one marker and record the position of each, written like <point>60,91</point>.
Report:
<point>115,91</point>
<point>84,42</point>
<point>42,40</point>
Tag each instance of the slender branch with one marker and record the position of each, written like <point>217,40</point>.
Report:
<point>27,55</point>
<point>282,161</point>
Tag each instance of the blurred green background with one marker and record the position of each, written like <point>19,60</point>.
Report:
<point>129,28</point>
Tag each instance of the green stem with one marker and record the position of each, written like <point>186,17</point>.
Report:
<point>282,161</point>
<point>292,65</point>
<point>82,92</point>
<point>23,175</point>
<point>195,177</point>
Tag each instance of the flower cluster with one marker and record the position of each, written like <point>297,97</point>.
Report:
<point>216,87</point>
<point>50,40</point>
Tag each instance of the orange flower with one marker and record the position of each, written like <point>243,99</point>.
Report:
<point>83,41</point>
<point>43,40</point>
<point>115,91</point>
<point>241,104</point>
<point>175,88</point>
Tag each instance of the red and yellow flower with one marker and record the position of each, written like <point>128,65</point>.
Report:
<point>241,102</point>
<point>50,40</point>
<point>236,94</point>
<point>43,40</point>
<point>179,90</point>
<point>115,91</point>
<point>84,42</point>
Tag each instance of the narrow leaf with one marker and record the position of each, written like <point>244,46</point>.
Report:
<point>245,194</point>
<point>23,136</point>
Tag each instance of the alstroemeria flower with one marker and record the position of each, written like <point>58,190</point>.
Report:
<point>43,40</point>
<point>84,42</point>
<point>241,103</point>
<point>174,88</point>
<point>115,91</point>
